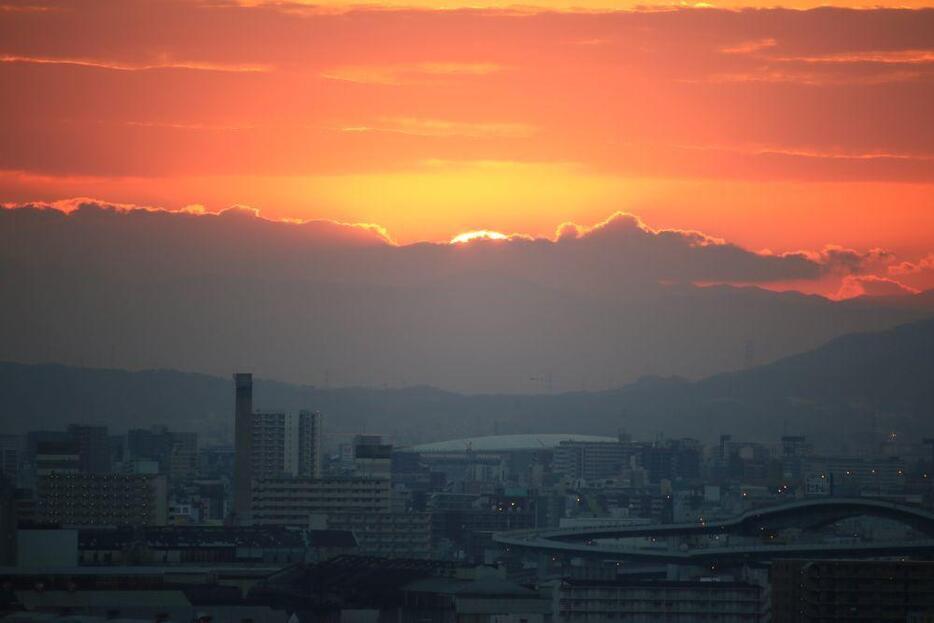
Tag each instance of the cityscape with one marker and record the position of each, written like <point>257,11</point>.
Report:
<point>287,522</point>
<point>466,311</point>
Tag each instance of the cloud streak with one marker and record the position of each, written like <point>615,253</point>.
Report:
<point>441,128</point>
<point>884,57</point>
<point>409,73</point>
<point>127,66</point>
<point>873,286</point>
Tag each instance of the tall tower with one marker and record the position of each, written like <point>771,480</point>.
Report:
<point>243,443</point>
<point>309,445</point>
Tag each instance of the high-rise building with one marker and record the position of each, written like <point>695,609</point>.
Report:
<point>243,442</point>
<point>592,460</point>
<point>309,447</point>
<point>795,446</point>
<point>183,457</point>
<point>271,445</point>
<point>55,456</point>
<point>371,457</point>
<point>286,444</point>
<point>11,455</point>
<point>215,462</point>
<point>267,445</point>
<point>89,445</point>
<point>8,523</point>
<point>93,447</point>
<point>175,453</point>
<point>674,459</point>
<point>794,450</point>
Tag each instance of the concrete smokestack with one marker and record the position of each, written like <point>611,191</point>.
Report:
<point>243,446</point>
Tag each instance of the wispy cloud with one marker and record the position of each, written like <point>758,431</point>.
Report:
<point>769,150</point>
<point>127,66</point>
<point>749,47</point>
<point>206,127</point>
<point>910,268</point>
<point>811,78</point>
<point>408,73</point>
<point>440,128</point>
<point>26,8</point>
<point>888,57</point>
<point>815,69</point>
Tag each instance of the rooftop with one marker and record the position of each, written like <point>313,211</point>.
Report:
<point>505,443</point>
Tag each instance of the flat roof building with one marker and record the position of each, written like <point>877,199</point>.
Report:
<point>299,501</point>
<point>77,499</point>
<point>591,601</point>
<point>851,590</point>
<point>505,443</point>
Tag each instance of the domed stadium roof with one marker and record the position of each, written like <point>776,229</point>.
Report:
<point>504,443</point>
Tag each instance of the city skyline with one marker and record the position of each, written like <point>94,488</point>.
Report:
<point>466,311</point>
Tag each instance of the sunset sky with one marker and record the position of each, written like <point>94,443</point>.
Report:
<point>790,130</point>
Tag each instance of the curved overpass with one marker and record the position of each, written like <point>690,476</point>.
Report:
<point>807,514</point>
<point>724,555</point>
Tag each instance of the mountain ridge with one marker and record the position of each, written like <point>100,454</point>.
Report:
<point>847,387</point>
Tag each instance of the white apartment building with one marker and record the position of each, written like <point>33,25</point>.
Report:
<point>285,445</point>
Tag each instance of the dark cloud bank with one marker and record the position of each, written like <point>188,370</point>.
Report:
<point>324,303</point>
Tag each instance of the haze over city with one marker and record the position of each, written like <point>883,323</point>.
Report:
<point>466,311</point>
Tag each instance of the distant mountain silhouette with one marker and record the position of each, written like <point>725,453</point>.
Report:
<point>836,394</point>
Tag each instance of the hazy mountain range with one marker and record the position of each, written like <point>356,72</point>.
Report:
<point>843,391</point>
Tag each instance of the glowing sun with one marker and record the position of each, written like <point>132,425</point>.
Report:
<point>480,234</point>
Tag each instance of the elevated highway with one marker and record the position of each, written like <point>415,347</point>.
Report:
<point>808,514</point>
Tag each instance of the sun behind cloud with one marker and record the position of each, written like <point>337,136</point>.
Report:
<point>479,234</point>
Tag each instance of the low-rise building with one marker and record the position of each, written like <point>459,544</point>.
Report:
<point>388,535</point>
<point>590,601</point>
<point>136,594</point>
<point>486,600</point>
<point>856,475</point>
<point>851,590</point>
<point>298,501</point>
<point>199,545</point>
<point>83,499</point>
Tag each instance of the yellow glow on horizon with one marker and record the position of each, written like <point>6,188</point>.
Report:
<point>440,200</point>
<point>437,202</point>
<point>479,234</point>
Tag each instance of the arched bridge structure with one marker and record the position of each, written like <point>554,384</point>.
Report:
<point>810,514</point>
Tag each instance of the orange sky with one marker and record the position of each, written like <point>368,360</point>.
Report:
<point>774,129</point>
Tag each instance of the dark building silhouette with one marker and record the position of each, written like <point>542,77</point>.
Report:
<point>7,522</point>
<point>243,443</point>
<point>175,452</point>
<point>630,599</point>
<point>62,456</point>
<point>88,446</point>
<point>851,590</point>
<point>93,448</point>
<point>673,460</point>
